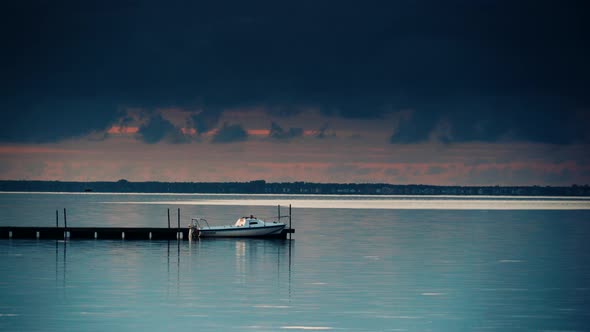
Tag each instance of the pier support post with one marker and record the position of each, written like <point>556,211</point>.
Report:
<point>66,233</point>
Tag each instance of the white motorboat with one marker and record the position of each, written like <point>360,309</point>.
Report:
<point>243,227</point>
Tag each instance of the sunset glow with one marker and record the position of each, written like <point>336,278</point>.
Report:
<point>408,93</point>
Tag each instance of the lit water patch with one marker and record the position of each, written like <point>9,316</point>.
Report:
<point>410,203</point>
<point>312,328</point>
<point>266,306</point>
<point>510,261</point>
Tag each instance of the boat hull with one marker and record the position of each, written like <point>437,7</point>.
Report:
<point>242,231</point>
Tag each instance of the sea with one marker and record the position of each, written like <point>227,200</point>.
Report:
<point>354,263</point>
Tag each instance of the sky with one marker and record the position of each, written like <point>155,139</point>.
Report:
<point>402,92</point>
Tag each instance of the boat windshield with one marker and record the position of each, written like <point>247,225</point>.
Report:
<point>247,221</point>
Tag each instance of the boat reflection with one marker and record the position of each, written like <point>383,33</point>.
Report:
<point>254,255</point>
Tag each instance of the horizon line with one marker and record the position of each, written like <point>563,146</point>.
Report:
<point>299,182</point>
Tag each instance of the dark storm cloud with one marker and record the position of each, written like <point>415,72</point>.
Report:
<point>158,129</point>
<point>278,132</point>
<point>543,120</point>
<point>206,120</point>
<point>415,128</point>
<point>50,120</point>
<point>229,133</point>
<point>348,59</point>
<point>325,132</point>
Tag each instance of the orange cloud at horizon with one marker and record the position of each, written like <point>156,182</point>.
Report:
<point>121,130</point>
<point>188,131</point>
<point>311,160</point>
<point>200,170</point>
<point>36,149</point>
<point>258,132</point>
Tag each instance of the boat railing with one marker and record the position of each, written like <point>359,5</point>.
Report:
<point>275,219</point>
<point>195,222</point>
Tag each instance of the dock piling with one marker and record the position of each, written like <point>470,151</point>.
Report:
<point>65,219</point>
<point>178,233</point>
<point>66,233</point>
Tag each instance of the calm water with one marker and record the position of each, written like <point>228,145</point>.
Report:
<point>355,264</point>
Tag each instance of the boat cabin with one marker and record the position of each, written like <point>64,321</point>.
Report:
<point>249,222</point>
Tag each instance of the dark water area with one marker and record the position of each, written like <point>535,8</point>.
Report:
<point>354,264</point>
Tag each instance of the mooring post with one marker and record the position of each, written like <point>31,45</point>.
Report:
<point>289,221</point>
<point>56,233</point>
<point>168,218</point>
<point>65,224</point>
<point>279,210</point>
<point>178,231</point>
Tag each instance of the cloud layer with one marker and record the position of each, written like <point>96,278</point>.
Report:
<point>158,129</point>
<point>278,132</point>
<point>469,70</point>
<point>229,133</point>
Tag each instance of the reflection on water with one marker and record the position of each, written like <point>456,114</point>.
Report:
<point>240,261</point>
<point>347,269</point>
<point>147,284</point>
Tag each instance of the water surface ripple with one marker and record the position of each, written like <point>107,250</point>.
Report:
<point>352,269</point>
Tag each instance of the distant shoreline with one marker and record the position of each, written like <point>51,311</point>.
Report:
<point>289,188</point>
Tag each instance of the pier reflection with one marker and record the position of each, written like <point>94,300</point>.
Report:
<point>177,268</point>
<point>258,260</point>
<point>192,277</point>
<point>61,250</point>
<point>241,264</point>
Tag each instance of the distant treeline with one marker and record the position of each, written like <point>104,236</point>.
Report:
<point>263,187</point>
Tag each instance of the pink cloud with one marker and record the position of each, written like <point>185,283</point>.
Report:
<point>120,130</point>
<point>337,160</point>
<point>258,132</point>
<point>28,149</point>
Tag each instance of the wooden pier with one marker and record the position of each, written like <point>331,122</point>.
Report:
<point>105,233</point>
<point>113,233</point>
